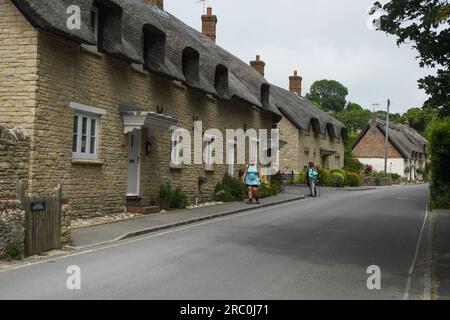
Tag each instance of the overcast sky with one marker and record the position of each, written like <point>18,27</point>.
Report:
<point>323,39</point>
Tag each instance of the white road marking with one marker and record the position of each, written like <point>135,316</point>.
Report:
<point>413,264</point>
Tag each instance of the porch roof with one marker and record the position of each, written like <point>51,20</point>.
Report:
<point>138,118</point>
<point>327,152</point>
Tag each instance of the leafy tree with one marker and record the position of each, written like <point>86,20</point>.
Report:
<point>350,162</point>
<point>419,118</point>
<point>439,136</point>
<point>425,24</point>
<point>329,94</point>
<point>354,117</point>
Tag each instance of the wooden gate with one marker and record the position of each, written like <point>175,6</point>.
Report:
<point>42,221</point>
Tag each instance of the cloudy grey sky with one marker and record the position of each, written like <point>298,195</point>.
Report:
<point>323,39</point>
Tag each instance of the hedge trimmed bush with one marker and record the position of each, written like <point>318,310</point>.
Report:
<point>439,136</point>
<point>337,180</point>
<point>324,177</point>
<point>353,179</point>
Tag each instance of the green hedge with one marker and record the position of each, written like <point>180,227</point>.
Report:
<point>353,179</point>
<point>439,136</point>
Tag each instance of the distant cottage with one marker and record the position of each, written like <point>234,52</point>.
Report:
<point>407,149</point>
<point>99,102</point>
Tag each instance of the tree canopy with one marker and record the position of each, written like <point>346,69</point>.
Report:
<point>329,94</point>
<point>420,119</point>
<point>353,116</point>
<point>425,24</point>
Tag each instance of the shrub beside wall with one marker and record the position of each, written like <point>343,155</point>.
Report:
<point>439,136</point>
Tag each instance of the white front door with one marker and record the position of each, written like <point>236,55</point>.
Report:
<point>134,151</point>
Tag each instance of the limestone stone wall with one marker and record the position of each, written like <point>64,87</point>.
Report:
<point>14,160</point>
<point>71,73</point>
<point>303,147</point>
<point>12,225</point>
<point>289,154</point>
<point>18,68</point>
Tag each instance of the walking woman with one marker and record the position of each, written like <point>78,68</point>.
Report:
<point>312,176</point>
<point>252,179</point>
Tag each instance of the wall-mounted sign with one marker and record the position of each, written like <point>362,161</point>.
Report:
<point>38,206</point>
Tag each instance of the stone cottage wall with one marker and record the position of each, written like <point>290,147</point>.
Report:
<point>18,68</point>
<point>14,160</point>
<point>292,156</point>
<point>70,73</point>
<point>12,225</point>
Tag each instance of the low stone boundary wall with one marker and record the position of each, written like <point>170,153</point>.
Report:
<point>12,227</point>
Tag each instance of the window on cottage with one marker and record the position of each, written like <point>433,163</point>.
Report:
<point>208,155</point>
<point>154,46</point>
<point>95,22</point>
<point>191,65</point>
<point>265,95</point>
<point>85,136</point>
<point>221,80</point>
<point>337,163</point>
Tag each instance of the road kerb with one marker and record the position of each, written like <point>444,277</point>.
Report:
<point>145,231</point>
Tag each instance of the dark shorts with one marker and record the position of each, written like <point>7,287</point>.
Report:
<point>255,186</point>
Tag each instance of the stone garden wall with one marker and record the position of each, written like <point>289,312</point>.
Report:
<point>14,160</point>
<point>12,228</point>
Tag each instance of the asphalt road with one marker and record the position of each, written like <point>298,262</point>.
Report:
<point>310,249</point>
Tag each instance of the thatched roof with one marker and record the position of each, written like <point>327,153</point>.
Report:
<point>301,112</point>
<point>123,37</point>
<point>408,142</point>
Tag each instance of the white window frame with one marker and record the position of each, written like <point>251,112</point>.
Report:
<point>208,150</point>
<point>231,157</point>
<point>174,155</point>
<point>77,152</point>
<point>337,162</point>
<point>90,113</point>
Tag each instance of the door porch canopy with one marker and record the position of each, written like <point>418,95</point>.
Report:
<point>135,118</point>
<point>324,152</point>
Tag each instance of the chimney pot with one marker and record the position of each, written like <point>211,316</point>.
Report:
<point>209,24</point>
<point>295,83</point>
<point>258,65</point>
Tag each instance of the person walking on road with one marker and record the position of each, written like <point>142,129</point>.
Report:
<point>252,179</point>
<point>312,176</point>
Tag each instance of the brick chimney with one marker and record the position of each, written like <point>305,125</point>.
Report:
<point>295,84</point>
<point>373,121</point>
<point>258,65</point>
<point>209,23</point>
<point>158,3</point>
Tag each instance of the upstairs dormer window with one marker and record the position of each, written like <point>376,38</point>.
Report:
<point>95,22</point>
<point>221,80</point>
<point>154,46</point>
<point>191,65</point>
<point>265,95</point>
<point>106,25</point>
